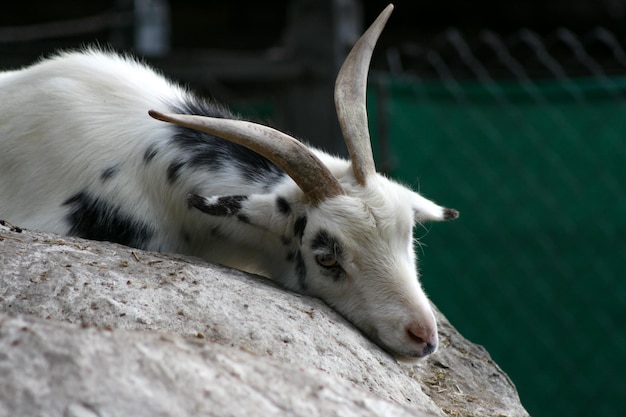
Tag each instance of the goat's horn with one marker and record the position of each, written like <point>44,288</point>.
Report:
<point>311,175</point>
<point>350,89</point>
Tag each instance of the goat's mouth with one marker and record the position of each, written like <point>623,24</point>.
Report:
<point>409,352</point>
<point>412,356</point>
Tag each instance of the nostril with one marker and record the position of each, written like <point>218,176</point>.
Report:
<point>427,339</point>
<point>413,336</point>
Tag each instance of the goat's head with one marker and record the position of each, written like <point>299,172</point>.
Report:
<point>353,240</point>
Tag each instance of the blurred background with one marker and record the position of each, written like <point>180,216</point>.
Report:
<point>512,112</point>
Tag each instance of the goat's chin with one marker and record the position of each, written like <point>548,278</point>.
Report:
<point>407,356</point>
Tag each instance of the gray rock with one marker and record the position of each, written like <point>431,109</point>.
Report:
<point>110,286</point>
<point>53,369</point>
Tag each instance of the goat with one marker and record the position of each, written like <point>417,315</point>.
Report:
<point>80,155</point>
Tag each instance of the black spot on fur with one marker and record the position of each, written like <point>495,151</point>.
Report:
<point>243,218</point>
<point>450,214</point>
<point>298,227</point>
<point>291,256</point>
<point>224,206</point>
<point>11,227</point>
<point>324,240</point>
<point>93,218</point>
<point>283,205</point>
<point>301,271</point>
<point>184,233</point>
<point>108,173</point>
<point>150,153</point>
<point>217,233</point>
<point>173,170</point>
<point>201,150</point>
<point>195,201</point>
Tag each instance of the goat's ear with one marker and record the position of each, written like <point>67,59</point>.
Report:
<point>265,211</point>
<point>425,210</point>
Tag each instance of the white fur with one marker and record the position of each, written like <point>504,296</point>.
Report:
<point>65,120</point>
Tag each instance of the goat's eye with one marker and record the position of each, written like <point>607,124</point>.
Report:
<point>326,260</point>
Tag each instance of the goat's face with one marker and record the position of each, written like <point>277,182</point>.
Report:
<point>358,256</point>
<point>354,251</point>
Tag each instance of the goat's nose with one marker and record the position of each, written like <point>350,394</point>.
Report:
<point>425,337</point>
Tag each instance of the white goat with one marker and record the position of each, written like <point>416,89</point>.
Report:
<point>79,155</point>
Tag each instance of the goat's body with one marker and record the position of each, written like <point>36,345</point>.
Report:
<point>152,158</point>
<point>80,155</point>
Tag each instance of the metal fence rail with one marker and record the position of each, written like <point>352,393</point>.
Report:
<point>526,135</point>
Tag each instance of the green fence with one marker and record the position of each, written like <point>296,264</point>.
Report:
<point>534,267</point>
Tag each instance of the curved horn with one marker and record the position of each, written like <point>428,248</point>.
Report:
<point>350,89</point>
<point>311,175</point>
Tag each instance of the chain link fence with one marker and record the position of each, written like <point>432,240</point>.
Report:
<point>526,136</point>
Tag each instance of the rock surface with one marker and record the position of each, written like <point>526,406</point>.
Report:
<point>56,369</point>
<point>227,338</point>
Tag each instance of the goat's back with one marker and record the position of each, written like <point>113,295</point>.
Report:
<point>60,121</point>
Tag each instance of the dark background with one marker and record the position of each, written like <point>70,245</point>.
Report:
<point>250,25</point>
<point>284,55</point>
